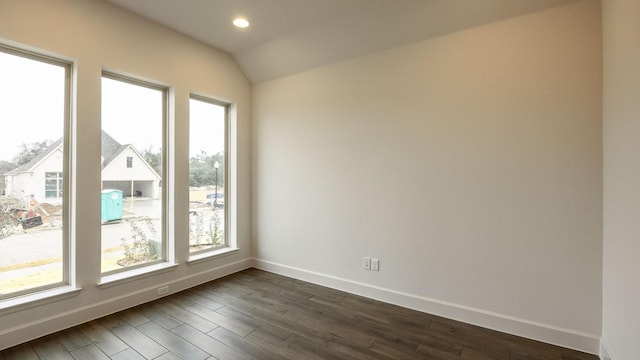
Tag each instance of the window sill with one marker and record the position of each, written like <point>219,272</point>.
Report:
<point>135,274</point>
<point>210,255</point>
<point>36,299</point>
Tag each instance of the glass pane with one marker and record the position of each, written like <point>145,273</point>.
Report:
<point>32,120</point>
<point>207,144</point>
<point>131,196</point>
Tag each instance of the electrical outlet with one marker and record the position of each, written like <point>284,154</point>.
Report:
<point>163,290</point>
<point>375,264</point>
<point>366,263</point>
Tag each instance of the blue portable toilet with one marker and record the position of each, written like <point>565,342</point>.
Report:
<point>111,205</point>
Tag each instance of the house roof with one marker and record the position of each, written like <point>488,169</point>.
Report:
<point>36,159</point>
<point>110,150</point>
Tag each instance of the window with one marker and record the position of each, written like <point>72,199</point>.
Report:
<point>53,185</point>
<point>208,195</point>
<point>132,199</point>
<point>34,164</point>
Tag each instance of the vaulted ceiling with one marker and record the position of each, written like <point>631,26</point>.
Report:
<point>289,36</point>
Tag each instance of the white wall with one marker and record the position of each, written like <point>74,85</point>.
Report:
<point>469,164</point>
<point>97,35</point>
<point>24,184</point>
<point>52,163</point>
<point>621,266</point>
<point>117,169</point>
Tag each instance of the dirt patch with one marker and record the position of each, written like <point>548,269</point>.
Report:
<point>51,214</point>
<point>49,210</point>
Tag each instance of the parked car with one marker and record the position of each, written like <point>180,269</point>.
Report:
<point>215,200</point>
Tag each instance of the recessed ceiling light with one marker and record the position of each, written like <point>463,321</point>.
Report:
<point>241,22</point>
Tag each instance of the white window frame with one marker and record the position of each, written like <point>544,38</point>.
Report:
<point>165,260</point>
<point>228,243</point>
<point>68,279</point>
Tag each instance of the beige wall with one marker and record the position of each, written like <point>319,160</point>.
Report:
<point>469,164</point>
<point>621,266</point>
<point>97,35</point>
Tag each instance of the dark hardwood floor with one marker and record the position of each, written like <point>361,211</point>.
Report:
<point>259,315</point>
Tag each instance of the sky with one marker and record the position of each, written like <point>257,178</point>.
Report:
<point>31,103</point>
<point>206,128</point>
<point>31,109</point>
<point>132,114</point>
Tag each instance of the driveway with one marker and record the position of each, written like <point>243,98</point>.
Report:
<point>142,207</point>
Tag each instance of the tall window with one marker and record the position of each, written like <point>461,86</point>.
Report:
<point>208,195</point>
<point>133,123</point>
<point>34,123</point>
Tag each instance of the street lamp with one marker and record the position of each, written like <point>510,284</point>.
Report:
<point>215,201</point>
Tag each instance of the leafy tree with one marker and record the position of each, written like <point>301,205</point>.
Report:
<point>154,159</point>
<point>5,167</point>
<point>29,151</point>
<point>198,173</point>
<point>202,170</point>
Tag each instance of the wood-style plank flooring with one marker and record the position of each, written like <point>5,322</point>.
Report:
<point>259,315</point>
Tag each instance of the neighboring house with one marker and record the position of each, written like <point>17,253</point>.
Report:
<point>123,168</point>
<point>40,177</point>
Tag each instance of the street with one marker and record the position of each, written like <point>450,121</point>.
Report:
<point>41,243</point>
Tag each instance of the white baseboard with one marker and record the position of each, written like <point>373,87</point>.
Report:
<point>56,322</point>
<point>604,352</point>
<point>533,330</point>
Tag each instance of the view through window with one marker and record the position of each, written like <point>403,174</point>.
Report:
<point>33,119</point>
<point>133,118</point>
<point>34,173</point>
<point>207,175</point>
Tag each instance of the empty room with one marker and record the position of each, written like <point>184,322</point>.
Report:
<point>319,179</point>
